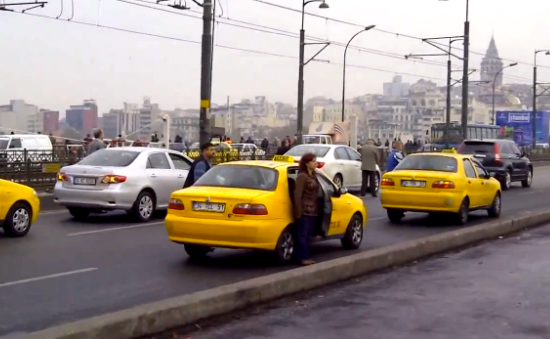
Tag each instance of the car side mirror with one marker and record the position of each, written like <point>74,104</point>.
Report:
<point>342,191</point>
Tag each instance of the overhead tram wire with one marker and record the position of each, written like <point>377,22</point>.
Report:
<point>403,35</point>
<point>276,31</point>
<point>123,30</point>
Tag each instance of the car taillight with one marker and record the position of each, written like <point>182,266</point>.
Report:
<point>498,160</point>
<point>443,184</point>
<point>250,209</point>
<point>113,179</point>
<point>61,177</point>
<point>176,204</point>
<point>320,164</point>
<point>387,182</point>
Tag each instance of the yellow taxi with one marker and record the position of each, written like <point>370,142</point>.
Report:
<point>444,182</point>
<point>247,205</point>
<point>19,208</point>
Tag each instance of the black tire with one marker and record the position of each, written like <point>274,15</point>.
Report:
<point>496,206</point>
<point>284,252</point>
<point>463,212</point>
<point>395,216</point>
<point>506,182</point>
<point>79,213</point>
<point>144,207</point>
<point>18,220</point>
<point>529,180</point>
<point>197,251</point>
<point>354,233</point>
<point>338,180</point>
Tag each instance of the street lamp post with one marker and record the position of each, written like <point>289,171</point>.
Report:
<point>534,115</point>
<point>344,69</point>
<point>494,86</point>
<point>300,113</point>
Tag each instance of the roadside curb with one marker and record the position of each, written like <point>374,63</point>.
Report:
<point>188,309</point>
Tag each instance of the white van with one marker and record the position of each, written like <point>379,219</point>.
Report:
<point>39,147</point>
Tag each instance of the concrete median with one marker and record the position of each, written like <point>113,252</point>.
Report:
<point>189,309</point>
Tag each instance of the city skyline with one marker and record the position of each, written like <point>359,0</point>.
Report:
<point>112,67</point>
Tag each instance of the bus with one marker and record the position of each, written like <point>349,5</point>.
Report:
<point>475,131</point>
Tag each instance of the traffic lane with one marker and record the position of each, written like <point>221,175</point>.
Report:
<point>496,290</point>
<point>71,270</point>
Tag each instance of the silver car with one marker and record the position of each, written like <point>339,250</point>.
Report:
<point>138,180</point>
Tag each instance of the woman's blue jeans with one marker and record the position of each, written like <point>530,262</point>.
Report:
<point>305,226</point>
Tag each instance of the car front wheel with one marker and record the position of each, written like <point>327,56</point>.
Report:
<point>527,182</point>
<point>18,220</point>
<point>354,234</point>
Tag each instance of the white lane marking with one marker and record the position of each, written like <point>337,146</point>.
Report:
<point>377,218</point>
<point>51,276</point>
<point>115,229</point>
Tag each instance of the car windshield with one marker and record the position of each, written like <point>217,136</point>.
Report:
<point>298,151</point>
<point>110,158</point>
<point>477,148</point>
<point>240,176</point>
<point>4,143</point>
<point>439,163</point>
<point>194,146</point>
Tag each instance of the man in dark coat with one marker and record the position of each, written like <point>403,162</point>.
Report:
<point>201,165</point>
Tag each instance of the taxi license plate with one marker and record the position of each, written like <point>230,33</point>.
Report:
<point>411,183</point>
<point>84,181</point>
<point>208,207</point>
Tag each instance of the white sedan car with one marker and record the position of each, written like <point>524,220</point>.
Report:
<point>339,162</point>
<point>138,180</point>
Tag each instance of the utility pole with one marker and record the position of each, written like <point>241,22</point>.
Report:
<point>206,71</point>
<point>465,73</point>
<point>448,53</point>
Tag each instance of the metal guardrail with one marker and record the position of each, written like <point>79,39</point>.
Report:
<point>39,169</point>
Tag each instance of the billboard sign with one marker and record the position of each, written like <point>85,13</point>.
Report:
<point>518,125</point>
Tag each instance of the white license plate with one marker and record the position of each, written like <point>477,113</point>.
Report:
<point>413,183</point>
<point>84,181</point>
<point>208,207</point>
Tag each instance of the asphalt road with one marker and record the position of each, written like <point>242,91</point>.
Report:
<point>494,291</point>
<point>66,270</point>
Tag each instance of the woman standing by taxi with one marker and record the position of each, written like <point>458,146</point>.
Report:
<point>306,206</point>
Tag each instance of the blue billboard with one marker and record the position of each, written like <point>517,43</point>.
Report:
<point>517,125</point>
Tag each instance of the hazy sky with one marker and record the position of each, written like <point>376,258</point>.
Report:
<point>55,63</point>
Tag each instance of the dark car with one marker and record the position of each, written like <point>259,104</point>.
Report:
<point>503,158</point>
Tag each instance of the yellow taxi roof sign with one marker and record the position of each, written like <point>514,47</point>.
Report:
<point>283,158</point>
<point>452,151</point>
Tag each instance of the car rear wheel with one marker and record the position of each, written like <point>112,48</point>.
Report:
<point>494,211</point>
<point>79,213</point>
<point>18,220</point>
<point>506,182</point>
<point>197,251</point>
<point>463,212</point>
<point>395,216</point>
<point>285,247</point>
<point>144,207</point>
<point>354,233</point>
<point>338,180</point>
<point>527,182</point>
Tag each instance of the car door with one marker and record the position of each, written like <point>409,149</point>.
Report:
<point>335,206</point>
<point>355,158</point>
<point>521,163</point>
<point>344,165</point>
<point>181,170</point>
<point>473,184</point>
<point>488,189</point>
<point>4,206</point>
<point>161,177</point>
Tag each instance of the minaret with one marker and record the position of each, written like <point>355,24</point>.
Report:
<point>491,64</point>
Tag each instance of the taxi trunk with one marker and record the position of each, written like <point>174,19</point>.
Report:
<point>419,190</point>
<point>224,217</point>
<point>216,202</point>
